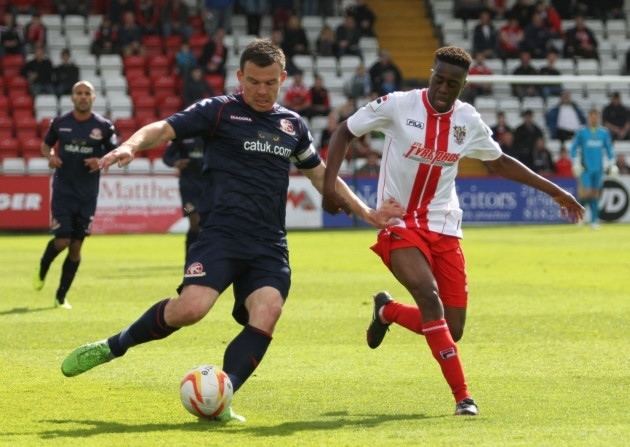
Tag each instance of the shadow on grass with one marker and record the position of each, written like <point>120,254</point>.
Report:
<point>24,310</point>
<point>142,273</point>
<point>326,421</point>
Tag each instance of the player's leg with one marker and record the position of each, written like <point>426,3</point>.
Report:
<point>159,321</point>
<point>413,271</point>
<point>68,272</point>
<point>55,246</point>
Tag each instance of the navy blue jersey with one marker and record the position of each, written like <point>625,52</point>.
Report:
<point>186,148</point>
<point>246,163</point>
<point>78,140</point>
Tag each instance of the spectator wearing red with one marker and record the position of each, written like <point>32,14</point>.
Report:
<point>35,33</point>
<point>550,16</point>
<point>298,95</point>
<point>478,67</point>
<point>542,162</point>
<point>501,128</point>
<point>214,54</point>
<point>563,166</point>
<point>510,38</point>
<point>320,99</point>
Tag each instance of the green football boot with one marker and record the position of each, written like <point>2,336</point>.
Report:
<point>86,357</point>
<point>229,415</point>
<point>38,283</point>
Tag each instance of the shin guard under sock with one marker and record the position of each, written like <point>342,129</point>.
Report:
<point>444,350</point>
<point>244,353</point>
<point>150,326</point>
<point>403,314</point>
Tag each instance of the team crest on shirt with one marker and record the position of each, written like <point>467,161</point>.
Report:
<point>459,132</point>
<point>287,126</point>
<point>96,134</point>
<point>195,270</point>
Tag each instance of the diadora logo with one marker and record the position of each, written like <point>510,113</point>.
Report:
<point>266,147</point>
<point>195,270</point>
<point>65,129</point>
<point>414,123</point>
<point>241,118</point>
<point>418,151</point>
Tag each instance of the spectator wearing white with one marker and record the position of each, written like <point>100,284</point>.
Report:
<point>564,120</point>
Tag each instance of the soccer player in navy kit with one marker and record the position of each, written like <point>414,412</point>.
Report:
<point>81,138</point>
<point>250,142</point>
<point>187,156</point>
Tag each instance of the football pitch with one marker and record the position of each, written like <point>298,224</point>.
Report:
<point>546,348</point>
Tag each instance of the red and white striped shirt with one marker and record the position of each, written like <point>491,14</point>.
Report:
<point>421,154</point>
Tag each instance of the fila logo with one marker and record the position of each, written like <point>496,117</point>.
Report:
<point>448,353</point>
<point>414,123</point>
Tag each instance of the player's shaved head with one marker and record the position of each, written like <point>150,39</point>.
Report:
<point>262,52</point>
<point>454,56</point>
<point>84,83</point>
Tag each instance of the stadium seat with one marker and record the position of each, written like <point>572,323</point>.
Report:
<point>134,62</point>
<point>217,82</point>
<point>31,146</point>
<point>13,165</point>
<point>109,62</point>
<point>125,127</point>
<point>74,24</point>
<point>37,165</point>
<point>139,85</point>
<point>158,65</point>
<point>587,66</point>
<point>9,147</point>
<point>21,102</point>
<point>43,125</point>
<point>325,64</point>
<point>304,62</point>
<point>16,84</point>
<point>164,83</point>
<point>52,22</point>
<point>152,45</point>
<point>4,104</point>
<point>349,64</point>
<point>172,44</point>
<point>197,42</point>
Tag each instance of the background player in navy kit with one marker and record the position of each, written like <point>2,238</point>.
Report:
<point>81,137</point>
<point>250,142</point>
<point>187,156</point>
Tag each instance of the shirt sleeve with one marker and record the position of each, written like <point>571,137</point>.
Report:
<point>375,115</point>
<point>305,156</point>
<point>608,145</point>
<point>482,145</point>
<point>51,135</point>
<point>171,154</point>
<point>200,118</point>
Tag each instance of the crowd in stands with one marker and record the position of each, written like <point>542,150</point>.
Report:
<point>532,37</point>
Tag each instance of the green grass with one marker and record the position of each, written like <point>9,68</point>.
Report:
<point>546,348</point>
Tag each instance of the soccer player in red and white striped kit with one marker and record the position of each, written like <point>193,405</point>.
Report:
<point>427,132</point>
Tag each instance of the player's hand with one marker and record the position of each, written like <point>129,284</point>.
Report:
<point>332,202</point>
<point>91,163</point>
<point>571,209</point>
<point>384,215</point>
<point>123,155</point>
<point>54,162</point>
<point>182,163</point>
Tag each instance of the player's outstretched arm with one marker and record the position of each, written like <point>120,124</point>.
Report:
<point>351,203</point>
<point>332,201</point>
<point>146,137</point>
<point>513,169</point>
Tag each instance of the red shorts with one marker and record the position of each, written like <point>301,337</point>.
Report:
<point>442,252</point>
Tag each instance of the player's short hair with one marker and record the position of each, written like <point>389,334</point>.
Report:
<point>454,56</point>
<point>88,84</point>
<point>262,52</point>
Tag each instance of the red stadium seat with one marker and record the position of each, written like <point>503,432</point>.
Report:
<point>133,73</point>
<point>12,61</point>
<point>43,126</point>
<point>6,124</point>
<point>197,41</point>
<point>2,91</point>
<point>26,124</point>
<point>134,62</point>
<point>9,147</point>
<point>16,84</point>
<point>172,44</point>
<point>216,81</point>
<point>22,114</point>
<point>4,104</point>
<point>159,65</point>
<point>145,117</point>
<point>139,85</point>
<point>152,45</point>
<point>125,128</point>
<point>31,147</point>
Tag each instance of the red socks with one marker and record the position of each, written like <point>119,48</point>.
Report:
<point>403,314</point>
<point>444,350</point>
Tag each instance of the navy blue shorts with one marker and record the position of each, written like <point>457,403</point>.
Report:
<point>190,188</point>
<point>217,260</point>
<point>72,216</point>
